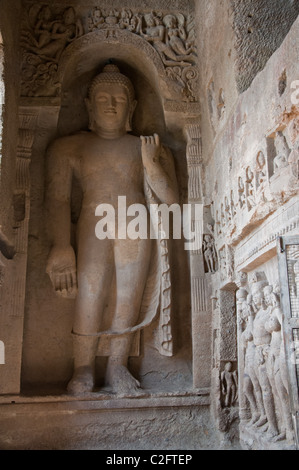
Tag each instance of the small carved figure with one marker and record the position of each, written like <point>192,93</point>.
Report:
<point>293,159</point>
<point>154,30</point>
<point>229,385</point>
<point>209,253</point>
<point>262,189</point>
<point>135,25</point>
<point>260,170</point>
<point>155,33</point>
<point>176,38</point>
<point>43,27</point>
<point>96,20</point>
<point>250,192</point>
<point>282,152</point>
<point>241,192</point>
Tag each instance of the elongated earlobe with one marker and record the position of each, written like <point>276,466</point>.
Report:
<point>130,116</point>
<point>90,114</point>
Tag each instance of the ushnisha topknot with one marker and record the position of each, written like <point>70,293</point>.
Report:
<point>111,74</point>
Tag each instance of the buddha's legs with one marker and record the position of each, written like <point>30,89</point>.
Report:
<point>132,258</point>
<point>95,267</point>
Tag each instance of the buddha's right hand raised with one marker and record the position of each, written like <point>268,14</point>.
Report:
<point>61,267</point>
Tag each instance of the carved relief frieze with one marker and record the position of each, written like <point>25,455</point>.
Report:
<point>45,35</point>
<point>269,180</point>
<point>47,32</point>
<point>172,35</point>
<point>226,263</point>
<point>263,386</point>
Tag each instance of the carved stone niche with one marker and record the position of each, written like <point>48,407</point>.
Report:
<point>174,386</point>
<point>48,364</point>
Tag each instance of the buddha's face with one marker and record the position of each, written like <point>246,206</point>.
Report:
<point>110,106</point>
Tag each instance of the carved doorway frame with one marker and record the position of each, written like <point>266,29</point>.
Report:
<point>288,257</point>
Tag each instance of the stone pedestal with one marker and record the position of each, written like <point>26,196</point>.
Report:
<point>155,421</point>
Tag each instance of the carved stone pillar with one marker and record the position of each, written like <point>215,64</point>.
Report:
<point>15,280</point>
<point>199,293</point>
<point>35,116</point>
<point>241,297</point>
<point>28,120</point>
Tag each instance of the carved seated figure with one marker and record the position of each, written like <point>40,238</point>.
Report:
<point>282,153</point>
<point>108,162</point>
<point>294,159</point>
<point>51,37</point>
<point>155,33</point>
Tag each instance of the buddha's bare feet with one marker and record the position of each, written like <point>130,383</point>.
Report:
<point>122,382</point>
<point>82,381</point>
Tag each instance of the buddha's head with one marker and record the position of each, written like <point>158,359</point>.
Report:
<point>111,101</point>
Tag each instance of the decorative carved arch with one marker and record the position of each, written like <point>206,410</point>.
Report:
<point>85,57</point>
<point>92,50</point>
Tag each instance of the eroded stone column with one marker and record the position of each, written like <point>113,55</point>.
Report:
<point>33,116</point>
<point>201,317</point>
<point>15,279</point>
